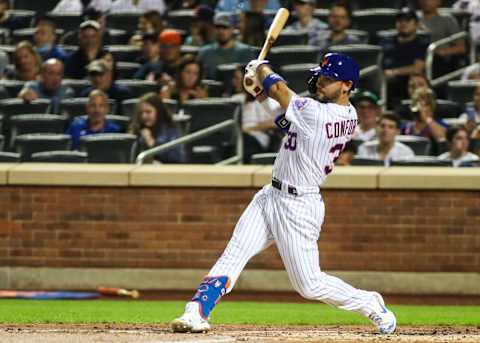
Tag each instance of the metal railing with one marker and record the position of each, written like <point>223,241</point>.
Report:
<point>235,123</point>
<point>433,47</point>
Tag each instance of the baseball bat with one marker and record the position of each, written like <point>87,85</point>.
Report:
<point>118,291</point>
<point>277,25</point>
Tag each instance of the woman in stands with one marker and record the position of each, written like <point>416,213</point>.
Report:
<point>27,63</point>
<point>188,84</point>
<point>150,21</point>
<point>458,143</point>
<point>153,126</point>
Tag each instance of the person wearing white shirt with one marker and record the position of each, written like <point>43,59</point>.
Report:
<point>386,147</point>
<point>140,6</point>
<point>77,6</point>
<point>458,142</point>
<point>368,111</point>
<point>471,117</point>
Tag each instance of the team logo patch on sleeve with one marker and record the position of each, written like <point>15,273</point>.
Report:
<point>300,103</point>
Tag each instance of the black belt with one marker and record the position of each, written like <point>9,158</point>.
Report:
<point>278,185</point>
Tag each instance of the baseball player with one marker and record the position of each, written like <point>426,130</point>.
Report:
<point>290,211</point>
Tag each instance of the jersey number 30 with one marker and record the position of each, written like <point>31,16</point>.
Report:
<point>336,150</point>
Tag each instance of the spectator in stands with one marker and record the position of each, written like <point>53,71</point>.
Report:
<point>472,72</point>
<point>79,6</point>
<point>27,63</point>
<point>252,28</point>
<point>472,7</point>
<point>458,143</point>
<point>339,19</point>
<point>415,81</point>
<point>45,38</point>
<point>90,48</point>
<point>154,126</point>
<point>306,21</point>
<point>150,21</point>
<point>202,31</point>
<point>404,55</point>
<point>150,48</point>
<point>257,124</point>
<point>368,111</point>
<point>226,49</point>
<point>188,83</point>
<point>72,37</point>
<point>386,147</point>
<point>241,5</point>
<point>96,120</point>
<point>102,77</point>
<point>471,117</point>
<point>49,86</point>
<point>442,26</point>
<point>425,124</point>
<point>164,70</point>
<point>7,21</point>
<point>139,6</point>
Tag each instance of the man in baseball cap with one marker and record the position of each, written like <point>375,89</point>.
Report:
<point>203,29</point>
<point>368,111</point>
<point>89,49</point>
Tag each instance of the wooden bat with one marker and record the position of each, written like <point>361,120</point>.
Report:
<point>277,25</point>
<point>118,291</point>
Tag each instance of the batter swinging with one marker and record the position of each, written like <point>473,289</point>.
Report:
<point>290,211</point>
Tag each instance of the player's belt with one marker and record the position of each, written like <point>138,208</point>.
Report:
<point>283,186</point>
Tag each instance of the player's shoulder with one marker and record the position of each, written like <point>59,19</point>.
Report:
<point>301,103</point>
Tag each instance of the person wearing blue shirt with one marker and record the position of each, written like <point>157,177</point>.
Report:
<point>45,37</point>
<point>49,86</point>
<point>96,120</point>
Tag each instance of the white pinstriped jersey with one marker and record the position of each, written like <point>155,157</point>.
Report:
<point>317,135</point>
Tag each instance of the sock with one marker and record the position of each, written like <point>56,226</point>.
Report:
<point>209,293</point>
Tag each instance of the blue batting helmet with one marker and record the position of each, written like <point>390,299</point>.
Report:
<point>336,66</point>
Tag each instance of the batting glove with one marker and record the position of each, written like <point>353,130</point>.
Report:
<point>254,64</point>
<point>251,83</point>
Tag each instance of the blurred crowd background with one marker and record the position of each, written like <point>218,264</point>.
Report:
<point>104,80</point>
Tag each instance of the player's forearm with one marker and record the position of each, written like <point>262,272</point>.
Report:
<point>278,91</point>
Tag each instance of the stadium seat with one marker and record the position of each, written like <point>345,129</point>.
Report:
<point>109,147</point>
<point>126,70</point>
<point>139,87</point>
<point>77,85</point>
<point>10,107</point>
<point>372,78</point>
<point>205,154</point>
<point>297,75</point>
<point>9,157</point>
<point>462,16</point>
<point>40,7</point>
<point>215,88</point>
<point>27,34</point>
<point>36,123</point>
<point>367,4</point>
<point>207,112</point>
<point>291,37</point>
<point>2,142</point>
<point>364,161</point>
<point>366,55</point>
<point>13,87</point>
<point>171,105</point>
<point>445,108</point>
<point>374,19</point>
<point>23,18</point>
<point>461,91</point>
<point>26,145</point>
<point>263,159</point>
<point>419,145</point>
<point>118,37</point>
<point>180,19</point>
<point>421,161</point>
<point>75,107</point>
<point>123,53</point>
<point>66,21</point>
<point>225,74</point>
<point>283,55</point>
<point>60,156</point>
<point>361,35</point>
<point>189,50</point>
<point>123,21</point>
